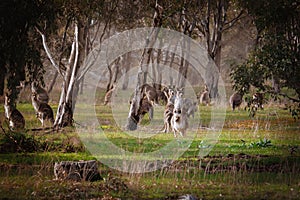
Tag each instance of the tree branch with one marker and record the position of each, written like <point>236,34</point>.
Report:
<point>76,47</point>
<point>54,64</point>
<point>232,22</point>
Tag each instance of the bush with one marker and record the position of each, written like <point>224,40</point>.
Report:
<point>17,142</point>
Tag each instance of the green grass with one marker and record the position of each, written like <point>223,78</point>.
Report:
<point>254,158</point>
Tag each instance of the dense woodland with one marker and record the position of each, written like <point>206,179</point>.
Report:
<point>254,47</point>
<point>64,32</point>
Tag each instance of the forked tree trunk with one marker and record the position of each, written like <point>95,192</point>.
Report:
<point>71,75</point>
<point>212,28</point>
<point>64,116</point>
<point>69,91</point>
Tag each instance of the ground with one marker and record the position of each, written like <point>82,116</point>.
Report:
<point>254,158</point>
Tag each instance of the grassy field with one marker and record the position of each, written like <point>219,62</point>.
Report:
<point>253,158</point>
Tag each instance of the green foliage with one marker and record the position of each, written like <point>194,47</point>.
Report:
<point>275,60</point>
<point>295,110</point>
<point>261,143</point>
<point>19,49</point>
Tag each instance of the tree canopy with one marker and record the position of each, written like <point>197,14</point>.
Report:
<point>19,50</point>
<point>274,63</point>
<point>275,58</point>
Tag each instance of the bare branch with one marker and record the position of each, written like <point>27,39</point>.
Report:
<point>232,22</point>
<point>98,52</point>
<point>76,46</point>
<point>54,64</point>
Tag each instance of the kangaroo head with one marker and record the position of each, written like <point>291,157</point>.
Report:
<point>34,95</point>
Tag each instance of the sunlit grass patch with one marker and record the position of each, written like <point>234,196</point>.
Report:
<point>252,158</point>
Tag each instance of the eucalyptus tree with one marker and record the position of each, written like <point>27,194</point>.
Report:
<point>81,25</point>
<point>214,18</point>
<point>205,21</point>
<point>274,64</point>
<point>19,50</point>
<point>147,53</point>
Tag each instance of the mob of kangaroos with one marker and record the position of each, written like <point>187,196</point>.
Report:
<point>40,98</point>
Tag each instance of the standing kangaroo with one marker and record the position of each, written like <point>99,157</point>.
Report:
<point>168,113</point>
<point>204,96</point>
<point>41,93</point>
<point>43,110</point>
<point>15,118</point>
<point>179,119</point>
<point>236,99</point>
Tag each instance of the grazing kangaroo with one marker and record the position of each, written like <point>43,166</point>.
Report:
<point>179,121</point>
<point>15,118</point>
<point>41,93</point>
<point>145,107</point>
<point>235,100</point>
<point>43,110</point>
<point>153,95</point>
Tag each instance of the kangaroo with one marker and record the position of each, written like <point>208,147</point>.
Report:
<point>43,110</point>
<point>179,121</point>
<point>155,95</point>
<point>151,93</point>
<point>204,96</point>
<point>235,100</point>
<point>15,118</point>
<point>168,113</point>
<point>257,100</point>
<point>190,107</point>
<point>145,107</point>
<point>41,93</point>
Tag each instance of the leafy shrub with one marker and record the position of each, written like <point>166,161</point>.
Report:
<point>261,143</point>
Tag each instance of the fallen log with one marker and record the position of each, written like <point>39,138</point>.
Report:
<point>77,170</point>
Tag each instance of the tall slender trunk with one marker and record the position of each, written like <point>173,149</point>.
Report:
<point>126,66</point>
<point>133,117</point>
<point>215,18</point>
<point>70,86</point>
